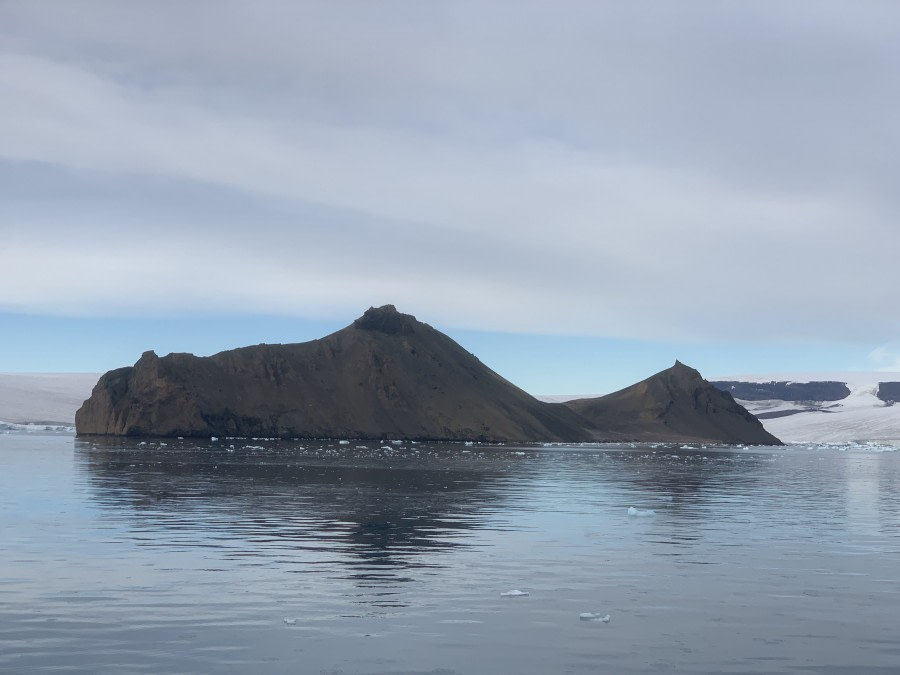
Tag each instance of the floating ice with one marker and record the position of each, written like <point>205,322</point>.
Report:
<point>591,616</point>
<point>641,513</point>
<point>513,594</point>
<point>343,442</point>
<point>290,622</point>
<point>213,438</point>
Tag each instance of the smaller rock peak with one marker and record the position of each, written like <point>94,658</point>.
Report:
<point>386,319</point>
<point>684,371</point>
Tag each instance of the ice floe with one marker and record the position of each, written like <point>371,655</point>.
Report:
<point>641,513</point>
<point>591,616</point>
<point>513,594</point>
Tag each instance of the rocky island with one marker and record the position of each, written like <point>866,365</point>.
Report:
<point>388,375</point>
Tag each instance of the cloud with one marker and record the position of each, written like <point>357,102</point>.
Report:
<point>596,170</point>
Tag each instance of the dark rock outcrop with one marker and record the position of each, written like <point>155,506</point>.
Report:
<point>676,404</point>
<point>390,376</point>
<point>889,392</point>
<point>385,376</point>
<point>785,391</point>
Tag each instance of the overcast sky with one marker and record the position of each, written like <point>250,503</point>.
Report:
<point>711,179</point>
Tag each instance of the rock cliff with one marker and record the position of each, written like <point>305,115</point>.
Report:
<point>385,376</point>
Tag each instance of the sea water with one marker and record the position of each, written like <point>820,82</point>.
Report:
<point>259,556</point>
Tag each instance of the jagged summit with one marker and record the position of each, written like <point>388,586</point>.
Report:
<point>386,319</point>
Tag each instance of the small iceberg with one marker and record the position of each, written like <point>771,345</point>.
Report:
<point>513,594</point>
<point>641,513</point>
<point>290,622</point>
<point>591,616</point>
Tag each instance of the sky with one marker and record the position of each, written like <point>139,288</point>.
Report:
<point>577,192</point>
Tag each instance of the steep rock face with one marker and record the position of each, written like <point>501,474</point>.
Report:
<point>385,376</point>
<point>676,404</point>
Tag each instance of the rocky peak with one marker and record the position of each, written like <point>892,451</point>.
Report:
<point>683,371</point>
<point>386,319</point>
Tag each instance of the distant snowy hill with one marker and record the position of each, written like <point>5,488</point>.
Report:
<point>46,398</point>
<point>836,407</point>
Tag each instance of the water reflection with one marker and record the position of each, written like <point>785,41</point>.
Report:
<point>387,514</point>
<point>381,510</point>
<point>377,511</point>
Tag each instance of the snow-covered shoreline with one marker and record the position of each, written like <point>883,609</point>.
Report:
<point>860,417</point>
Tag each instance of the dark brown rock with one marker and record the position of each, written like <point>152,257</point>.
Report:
<point>385,376</point>
<point>390,376</point>
<point>676,404</point>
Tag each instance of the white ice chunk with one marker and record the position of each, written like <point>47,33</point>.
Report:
<point>513,594</point>
<point>343,442</point>
<point>290,622</point>
<point>641,513</point>
<point>591,616</point>
<point>213,438</point>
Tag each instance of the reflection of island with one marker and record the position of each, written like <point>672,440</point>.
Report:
<point>379,515</point>
<point>375,511</point>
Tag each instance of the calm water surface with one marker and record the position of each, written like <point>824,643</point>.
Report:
<point>287,557</point>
